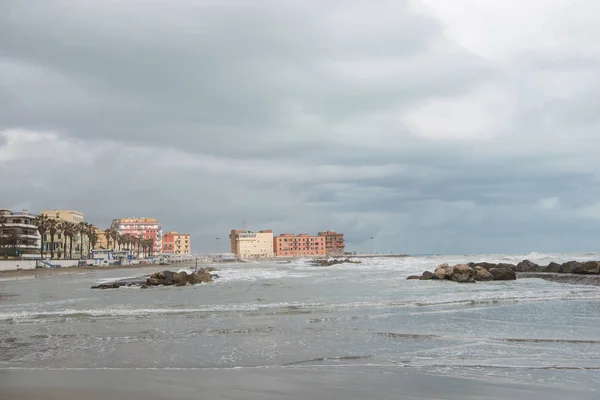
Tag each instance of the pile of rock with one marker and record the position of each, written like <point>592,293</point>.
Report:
<point>165,278</point>
<point>570,267</point>
<point>483,271</point>
<point>329,263</point>
<point>469,273</point>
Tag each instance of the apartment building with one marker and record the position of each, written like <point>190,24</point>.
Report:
<point>176,243</point>
<point>59,243</point>
<point>251,245</point>
<point>303,245</point>
<point>18,233</point>
<point>146,228</point>
<point>334,243</point>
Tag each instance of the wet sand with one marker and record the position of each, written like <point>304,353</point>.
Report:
<point>335,383</point>
<point>45,272</point>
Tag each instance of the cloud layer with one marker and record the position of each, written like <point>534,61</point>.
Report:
<point>435,128</point>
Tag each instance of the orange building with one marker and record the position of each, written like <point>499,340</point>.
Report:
<point>334,243</point>
<point>176,243</point>
<point>288,245</point>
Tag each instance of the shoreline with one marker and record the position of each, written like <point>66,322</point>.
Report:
<point>45,272</point>
<point>294,383</point>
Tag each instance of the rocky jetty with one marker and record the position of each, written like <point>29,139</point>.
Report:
<point>165,278</point>
<point>465,273</point>
<point>484,271</point>
<point>329,263</point>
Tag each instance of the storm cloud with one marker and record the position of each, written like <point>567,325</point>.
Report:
<point>433,126</point>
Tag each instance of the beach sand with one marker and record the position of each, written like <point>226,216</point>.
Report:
<point>46,272</point>
<point>335,383</point>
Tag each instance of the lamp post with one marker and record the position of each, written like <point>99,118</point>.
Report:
<point>217,245</point>
<point>372,245</point>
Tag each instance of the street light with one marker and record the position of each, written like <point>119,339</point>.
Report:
<point>372,245</point>
<point>216,245</point>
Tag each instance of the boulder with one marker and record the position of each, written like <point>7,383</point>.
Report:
<point>109,285</point>
<point>591,267</point>
<point>144,286</point>
<point>158,281</point>
<point>570,267</point>
<point>503,274</point>
<point>443,271</point>
<point>528,266</point>
<point>512,267</point>
<point>482,274</point>
<point>553,267</point>
<point>463,269</point>
<point>486,265</point>
<point>179,278</point>
<point>462,273</point>
<point>427,276</point>
<point>462,278</point>
<point>414,277</point>
<point>202,276</point>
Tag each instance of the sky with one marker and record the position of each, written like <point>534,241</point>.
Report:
<point>434,126</point>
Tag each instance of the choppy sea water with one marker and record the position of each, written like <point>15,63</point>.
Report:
<point>295,315</point>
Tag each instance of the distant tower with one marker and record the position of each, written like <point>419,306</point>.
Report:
<point>244,225</point>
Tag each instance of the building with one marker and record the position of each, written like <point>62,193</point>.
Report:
<point>18,233</point>
<point>176,243</point>
<point>60,244</point>
<point>334,243</point>
<point>251,245</point>
<point>146,228</point>
<point>303,245</point>
<point>102,243</point>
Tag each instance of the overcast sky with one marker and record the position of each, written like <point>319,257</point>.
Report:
<point>435,126</point>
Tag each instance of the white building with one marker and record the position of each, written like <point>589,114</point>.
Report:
<point>26,241</point>
<point>252,245</point>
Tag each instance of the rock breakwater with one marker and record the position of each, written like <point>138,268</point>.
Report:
<point>165,278</point>
<point>484,271</point>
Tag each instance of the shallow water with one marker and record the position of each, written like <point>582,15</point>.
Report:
<point>294,315</point>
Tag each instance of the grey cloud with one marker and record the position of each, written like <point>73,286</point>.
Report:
<point>291,115</point>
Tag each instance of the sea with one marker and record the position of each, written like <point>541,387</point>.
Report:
<point>267,330</point>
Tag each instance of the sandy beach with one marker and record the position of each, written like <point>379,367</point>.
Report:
<point>46,272</point>
<point>335,383</point>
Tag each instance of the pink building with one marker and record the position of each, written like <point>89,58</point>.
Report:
<point>334,243</point>
<point>288,245</point>
<point>146,228</point>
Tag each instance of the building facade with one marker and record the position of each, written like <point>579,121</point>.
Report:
<point>176,243</point>
<point>252,245</point>
<point>303,245</point>
<point>18,233</point>
<point>334,243</point>
<point>145,228</point>
<point>58,244</point>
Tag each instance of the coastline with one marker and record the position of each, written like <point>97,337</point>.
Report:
<point>46,272</point>
<point>344,382</point>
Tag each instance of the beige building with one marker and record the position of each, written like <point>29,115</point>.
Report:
<point>176,243</point>
<point>61,243</point>
<point>252,245</point>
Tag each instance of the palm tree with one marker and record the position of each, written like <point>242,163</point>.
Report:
<point>115,236</point>
<point>41,221</point>
<point>82,229</point>
<point>69,230</point>
<point>52,228</point>
<point>128,241</point>
<point>3,222</point>
<point>108,234</point>
<point>118,239</point>
<point>93,235</point>
<point>13,237</point>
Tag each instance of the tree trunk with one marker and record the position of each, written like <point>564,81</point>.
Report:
<point>70,247</point>
<point>52,247</point>
<point>42,246</point>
